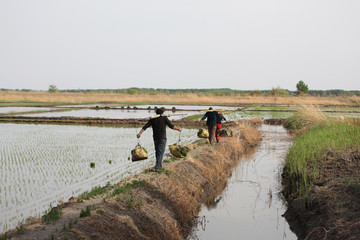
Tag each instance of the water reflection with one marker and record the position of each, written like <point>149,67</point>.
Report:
<point>250,206</point>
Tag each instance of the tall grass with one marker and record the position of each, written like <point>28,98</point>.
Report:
<point>305,117</point>
<point>320,135</point>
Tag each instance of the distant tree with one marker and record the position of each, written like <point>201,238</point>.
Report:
<point>53,88</point>
<point>302,87</point>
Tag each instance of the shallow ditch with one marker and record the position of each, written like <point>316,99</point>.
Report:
<point>250,205</point>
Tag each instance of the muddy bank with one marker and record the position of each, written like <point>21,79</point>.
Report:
<point>151,205</point>
<point>331,209</point>
<point>95,121</point>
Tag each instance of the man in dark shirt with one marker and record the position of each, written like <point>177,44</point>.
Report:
<point>158,124</point>
<point>212,117</point>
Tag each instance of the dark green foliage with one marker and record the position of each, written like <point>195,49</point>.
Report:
<point>92,165</point>
<point>302,87</point>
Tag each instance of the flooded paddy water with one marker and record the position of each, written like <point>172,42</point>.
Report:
<point>41,165</point>
<point>251,206</point>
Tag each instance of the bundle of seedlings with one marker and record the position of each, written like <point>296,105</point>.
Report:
<point>139,153</point>
<point>225,133</point>
<point>178,151</point>
<point>203,133</point>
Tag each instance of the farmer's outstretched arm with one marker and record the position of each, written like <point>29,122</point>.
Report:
<point>139,134</point>
<point>177,129</point>
<point>204,117</point>
<point>148,124</point>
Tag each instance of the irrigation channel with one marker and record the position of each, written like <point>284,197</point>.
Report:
<point>250,206</point>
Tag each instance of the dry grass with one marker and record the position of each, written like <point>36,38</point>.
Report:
<point>207,166</point>
<point>310,115</point>
<point>175,98</point>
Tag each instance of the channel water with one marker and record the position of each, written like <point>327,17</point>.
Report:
<point>250,206</point>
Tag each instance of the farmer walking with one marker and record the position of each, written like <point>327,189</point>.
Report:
<point>219,126</point>
<point>211,117</point>
<point>158,124</point>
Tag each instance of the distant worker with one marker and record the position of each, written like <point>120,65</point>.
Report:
<point>158,124</point>
<point>211,116</point>
<point>219,126</point>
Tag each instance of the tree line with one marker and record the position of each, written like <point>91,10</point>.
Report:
<point>210,92</point>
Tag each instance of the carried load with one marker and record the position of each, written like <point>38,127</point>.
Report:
<point>139,153</point>
<point>224,133</point>
<point>178,150</point>
<point>203,133</point>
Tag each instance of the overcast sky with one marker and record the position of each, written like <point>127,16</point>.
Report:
<point>239,44</point>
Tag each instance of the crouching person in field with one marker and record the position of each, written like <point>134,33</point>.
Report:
<point>158,124</point>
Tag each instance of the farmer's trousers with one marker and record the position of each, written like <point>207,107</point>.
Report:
<point>211,130</point>
<point>160,145</point>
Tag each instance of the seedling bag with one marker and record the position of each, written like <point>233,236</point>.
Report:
<point>139,153</point>
<point>203,133</point>
<point>178,150</point>
<point>224,133</point>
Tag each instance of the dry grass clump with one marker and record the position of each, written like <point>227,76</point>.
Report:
<point>310,115</point>
<point>306,117</point>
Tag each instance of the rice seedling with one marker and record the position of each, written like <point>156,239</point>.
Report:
<point>86,212</point>
<point>53,215</point>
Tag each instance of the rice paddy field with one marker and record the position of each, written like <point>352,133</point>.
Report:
<point>41,165</point>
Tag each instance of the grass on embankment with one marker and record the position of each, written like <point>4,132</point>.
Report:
<point>318,135</point>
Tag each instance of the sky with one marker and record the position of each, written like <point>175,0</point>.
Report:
<point>237,44</point>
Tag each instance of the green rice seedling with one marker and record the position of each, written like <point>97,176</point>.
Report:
<point>86,212</point>
<point>130,202</point>
<point>127,188</point>
<point>101,212</point>
<point>3,236</point>
<point>92,165</point>
<point>96,191</point>
<point>53,215</point>
<point>110,161</point>
<point>173,158</point>
<point>20,229</point>
<point>139,203</point>
<point>71,224</point>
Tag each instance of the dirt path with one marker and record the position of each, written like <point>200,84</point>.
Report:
<point>95,121</point>
<point>151,205</point>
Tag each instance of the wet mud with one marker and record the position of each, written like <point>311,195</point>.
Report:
<point>331,209</point>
